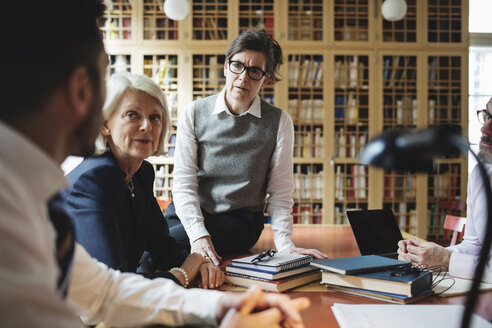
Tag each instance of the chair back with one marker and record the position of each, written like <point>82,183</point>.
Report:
<point>455,224</point>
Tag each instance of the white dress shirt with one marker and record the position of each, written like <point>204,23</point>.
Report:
<point>464,256</point>
<point>280,184</point>
<point>29,270</point>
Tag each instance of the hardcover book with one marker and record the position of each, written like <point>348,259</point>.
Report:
<point>258,273</point>
<point>359,264</point>
<point>279,262</point>
<point>381,296</point>
<point>279,285</point>
<point>382,281</point>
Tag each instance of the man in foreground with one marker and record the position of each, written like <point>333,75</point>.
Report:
<point>52,94</point>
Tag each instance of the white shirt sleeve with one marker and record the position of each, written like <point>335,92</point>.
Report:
<point>185,184</point>
<point>464,256</point>
<point>125,299</point>
<point>281,184</point>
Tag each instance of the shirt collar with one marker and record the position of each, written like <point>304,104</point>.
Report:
<point>30,164</point>
<point>220,105</point>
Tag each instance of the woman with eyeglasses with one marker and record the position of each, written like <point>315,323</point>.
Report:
<point>232,149</point>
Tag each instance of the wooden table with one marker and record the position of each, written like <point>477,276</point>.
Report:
<point>338,241</point>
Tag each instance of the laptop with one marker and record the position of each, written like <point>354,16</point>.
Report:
<point>376,232</point>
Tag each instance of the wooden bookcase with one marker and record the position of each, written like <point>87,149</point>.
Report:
<point>348,74</point>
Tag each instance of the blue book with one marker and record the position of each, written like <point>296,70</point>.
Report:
<point>359,264</point>
<point>401,282</point>
<point>387,297</point>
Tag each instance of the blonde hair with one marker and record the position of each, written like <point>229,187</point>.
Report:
<point>117,84</point>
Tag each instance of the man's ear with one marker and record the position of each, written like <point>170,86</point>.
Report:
<point>80,93</point>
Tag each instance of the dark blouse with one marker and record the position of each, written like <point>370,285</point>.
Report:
<point>115,227</point>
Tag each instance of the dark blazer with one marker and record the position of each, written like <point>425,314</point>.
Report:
<point>115,227</point>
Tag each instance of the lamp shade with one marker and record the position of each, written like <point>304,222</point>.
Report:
<point>394,10</point>
<point>176,9</point>
<point>413,151</point>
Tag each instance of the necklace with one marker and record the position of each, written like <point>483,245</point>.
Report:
<point>131,187</point>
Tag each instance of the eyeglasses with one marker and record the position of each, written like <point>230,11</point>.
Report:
<point>254,73</point>
<point>483,116</point>
<point>264,256</point>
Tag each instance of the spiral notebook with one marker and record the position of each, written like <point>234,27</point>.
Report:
<point>279,262</point>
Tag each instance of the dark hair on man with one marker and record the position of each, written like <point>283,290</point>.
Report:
<point>259,40</point>
<point>44,42</point>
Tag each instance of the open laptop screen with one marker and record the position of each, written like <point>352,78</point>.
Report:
<point>376,231</point>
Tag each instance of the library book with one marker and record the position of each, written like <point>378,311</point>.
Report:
<point>381,296</point>
<point>278,285</point>
<point>409,284</point>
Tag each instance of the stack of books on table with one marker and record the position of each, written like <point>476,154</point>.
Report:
<point>279,273</point>
<point>376,277</point>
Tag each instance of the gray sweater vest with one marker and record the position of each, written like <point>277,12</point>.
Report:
<point>234,155</point>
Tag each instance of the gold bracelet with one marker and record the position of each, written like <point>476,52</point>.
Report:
<point>183,272</point>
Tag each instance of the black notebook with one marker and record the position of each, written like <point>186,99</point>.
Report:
<point>279,262</point>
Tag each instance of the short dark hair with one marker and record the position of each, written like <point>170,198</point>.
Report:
<point>45,41</point>
<point>259,40</point>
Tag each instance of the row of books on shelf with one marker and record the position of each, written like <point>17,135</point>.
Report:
<point>446,184</point>
<point>403,111</point>
<point>118,5</point>
<point>350,74</point>
<point>307,214</point>
<point>166,73</point>
<point>305,72</point>
<point>160,28</point>
<point>210,28</point>
<point>208,70</point>
<point>399,71</point>
<point>350,182</point>
<point>306,110</point>
<point>347,109</point>
<point>117,29</point>
<point>308,186</point>
<point>449,109</point>
<point>399,186</point>
<point>349,144</point>
<point>406,216</point>
<point>368,276</point>
<point>309,143</point>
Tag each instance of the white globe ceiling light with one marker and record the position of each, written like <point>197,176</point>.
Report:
<point>176,9</point>
<point>394,10</point>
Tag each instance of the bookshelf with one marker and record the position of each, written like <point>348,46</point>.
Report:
<point>347,75</point>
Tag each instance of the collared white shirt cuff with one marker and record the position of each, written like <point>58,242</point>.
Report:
<point>282,243</point>
<point>197,231</point>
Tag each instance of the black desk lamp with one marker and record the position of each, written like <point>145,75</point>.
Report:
<point>415,151</point>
